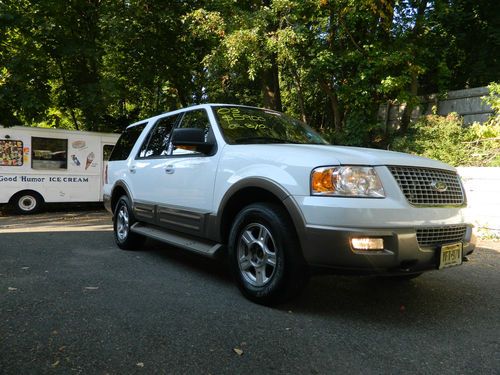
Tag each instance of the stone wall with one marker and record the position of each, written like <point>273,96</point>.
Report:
<point>468,103</point>
<point>482,186</point>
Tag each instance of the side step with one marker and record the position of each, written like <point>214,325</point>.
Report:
<point>196,245</point>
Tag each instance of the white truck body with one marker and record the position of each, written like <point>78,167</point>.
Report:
<point>59,165</point>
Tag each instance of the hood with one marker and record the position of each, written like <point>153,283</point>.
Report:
<point>322,155</point>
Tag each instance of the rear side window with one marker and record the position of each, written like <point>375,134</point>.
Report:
<point>106,152</point>
<point>126,142</point>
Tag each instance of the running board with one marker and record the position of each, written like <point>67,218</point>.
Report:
<point>196,245</point>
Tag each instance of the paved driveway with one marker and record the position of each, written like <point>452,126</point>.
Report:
<point>71,302</point>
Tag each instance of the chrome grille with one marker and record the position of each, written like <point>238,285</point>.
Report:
<point>421,186</point>
<point>429,237</point>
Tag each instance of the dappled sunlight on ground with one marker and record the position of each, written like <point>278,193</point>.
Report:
<point>489,244</point>
<point>57,222</point>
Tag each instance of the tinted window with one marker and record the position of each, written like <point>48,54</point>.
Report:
<point>106,152</point>
<point>158,142</point>
<point>126,142</point>
<point>49,153</point>
<point>252,125</point>
<point>194,119</point>
<point>11,153</point>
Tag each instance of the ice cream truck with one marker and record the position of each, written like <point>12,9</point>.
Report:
<point>40,165</point>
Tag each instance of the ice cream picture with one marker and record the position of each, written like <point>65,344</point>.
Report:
<point>75,160</point>
<point>78,144</point>
<point>90,159</point>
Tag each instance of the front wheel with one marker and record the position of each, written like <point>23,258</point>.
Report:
<point>265,254</point>
<point>123,219</point>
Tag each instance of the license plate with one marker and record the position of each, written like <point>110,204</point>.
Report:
<point>451,255</point>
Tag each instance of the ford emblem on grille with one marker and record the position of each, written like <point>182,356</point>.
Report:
<point>439,186</point>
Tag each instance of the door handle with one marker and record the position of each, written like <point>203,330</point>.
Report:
<point>132,169</point>
<point>169,169</point>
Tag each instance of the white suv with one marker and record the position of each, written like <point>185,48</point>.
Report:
<point>270,193</point>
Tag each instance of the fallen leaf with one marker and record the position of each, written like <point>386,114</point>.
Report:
<point>91,288</point>
<point>11,289</point>
<point>238,351</point>
<point>56,363</point>
<point>140,364</point>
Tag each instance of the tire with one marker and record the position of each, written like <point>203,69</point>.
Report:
<point>27,202</point>
<point>265,255</point>
<point>123,219</point>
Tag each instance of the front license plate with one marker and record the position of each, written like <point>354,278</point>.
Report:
<point>451,255</point>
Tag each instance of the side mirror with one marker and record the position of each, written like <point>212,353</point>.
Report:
<point>191,137</point>
<point>188,136</point>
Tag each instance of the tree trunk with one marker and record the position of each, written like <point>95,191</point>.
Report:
<point>270,87</point>
<point>300,94</point>
<point>334,105</point>
<point>414,84</point>
<point>66,89</point>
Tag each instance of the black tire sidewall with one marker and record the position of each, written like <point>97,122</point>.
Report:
<point>128,241</point>
<point>16,203</point>
<point>288,257</point>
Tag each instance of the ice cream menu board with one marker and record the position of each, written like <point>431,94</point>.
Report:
<point>11,153</point>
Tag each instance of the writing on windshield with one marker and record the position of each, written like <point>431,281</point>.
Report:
<point>242,125</point>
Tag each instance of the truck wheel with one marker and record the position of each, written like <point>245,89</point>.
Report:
<point>27,202</point>
<point>123,219</point>
<point>265,256</point>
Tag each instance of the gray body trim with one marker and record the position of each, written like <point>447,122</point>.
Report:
<point>329,247</point>
<point>173,218</point>
<point>215,222</point>
<point>323,247</point>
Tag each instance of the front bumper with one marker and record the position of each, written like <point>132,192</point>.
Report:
<point>329,247</point>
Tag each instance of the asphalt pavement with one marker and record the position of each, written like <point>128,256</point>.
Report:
<point>72,302</point>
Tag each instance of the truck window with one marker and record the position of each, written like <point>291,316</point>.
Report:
<point>158,142</point>
<point>49,153</point>
<point>11,153</point>
<point>193,119</point>
<point>126,142</point>
<point>106,152</point>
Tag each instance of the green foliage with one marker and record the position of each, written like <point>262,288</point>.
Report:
<point>100,65</point>
<point>493,98</point>
<point>445,138</point>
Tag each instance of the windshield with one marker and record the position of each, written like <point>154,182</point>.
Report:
<point>243,125</point>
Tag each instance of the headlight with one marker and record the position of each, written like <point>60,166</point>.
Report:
<point>346,181</point>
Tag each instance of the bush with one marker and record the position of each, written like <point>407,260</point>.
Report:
<point>445,138</point>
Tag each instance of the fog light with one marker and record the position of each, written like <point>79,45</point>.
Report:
<point>367,243</point>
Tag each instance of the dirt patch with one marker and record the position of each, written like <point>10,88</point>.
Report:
<point>97,220</point>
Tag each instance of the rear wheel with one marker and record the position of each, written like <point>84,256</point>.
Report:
<point>265,255</point>
<point>27,202</point>
<point>123,219</point>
